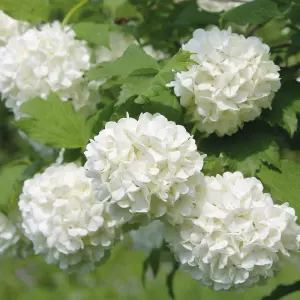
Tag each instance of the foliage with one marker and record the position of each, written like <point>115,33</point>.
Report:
<point>54,123</point>
<point>137,82</point>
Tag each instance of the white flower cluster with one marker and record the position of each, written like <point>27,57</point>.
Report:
<point>239,236</point>
<point>10,27</point>
<point>64,221</point>
<point>9,236</point>
<point>42,61</point>
<point>224,230</point>
<point>146,164</point>
<point>219,5</point>
<point>232,80</point>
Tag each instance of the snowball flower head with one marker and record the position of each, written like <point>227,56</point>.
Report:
<point>63,220</point>
<point>146,164</point>
<point>230,82</point>
<point>43,61</point>
<point>9,236</point>
<point>219,5</point>
<point>10,27</point>
<point>239,237</point>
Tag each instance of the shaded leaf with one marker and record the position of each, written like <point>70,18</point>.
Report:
<point>293,13</point>
<point>152,262</point>
<point>191,15</point>
<point>214,165</point>
<point>285,107</point>
<point>9,176</point>
<point>246,150</point>
<point>97,121</point>
<point>170,280</point>
<point>254,12</point>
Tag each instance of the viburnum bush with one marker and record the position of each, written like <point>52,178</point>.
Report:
<point>171,122</point>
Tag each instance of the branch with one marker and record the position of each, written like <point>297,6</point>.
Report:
<point>254,29</point>
<point>283,290</point>
<point>281,45</point>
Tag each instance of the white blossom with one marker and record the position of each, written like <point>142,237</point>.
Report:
<point>9,235</point>
<point>148,237</point>
<point>232,80</point>
<point>219,5</point>
<point>43,61</point>
<point>146,164</point>
<point>10,27</point>
<point>23,247</point>
<point>64,221</point>
<point>239,235</point>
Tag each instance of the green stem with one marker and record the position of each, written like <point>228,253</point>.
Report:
<point>72,11</point>
<point>194,129</point>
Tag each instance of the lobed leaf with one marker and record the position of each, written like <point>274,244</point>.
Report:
<point>254,12</point>
<point>283,184</point>
<point>134,58</point>
<point>27,10</point>
<point>54,122</point>
<point>285,107</point>
<point>246,150</point>
<point>95,34</point>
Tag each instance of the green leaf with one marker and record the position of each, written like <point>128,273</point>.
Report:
<point>134,58</point>
<point>97,121</point>
<point>95,34</point>
<point>179,62</point>
<point>191,15</point>
<point>127,10</point>
<point>27,10</point>
<point>150,90</point>
<point>254,12</point>
<point>54,122</point>
<point>159,99</point>
<point>170,279</point>
<point>293,13</point>
<point>112,5</point>
<point>9,175</point>
<point>135,85</point>
<point>284,184</point>
<point>214,165</point>
<point>152,262</point>
<point>246,150</point>
<point>285,107</point>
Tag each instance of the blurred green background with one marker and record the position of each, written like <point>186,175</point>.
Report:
<point>119,278</point>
